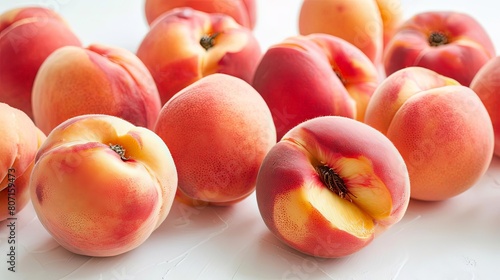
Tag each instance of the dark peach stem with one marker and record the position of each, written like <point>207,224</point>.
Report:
<point>438,38</point>
<point>208,41</point>
<point>119,150</point>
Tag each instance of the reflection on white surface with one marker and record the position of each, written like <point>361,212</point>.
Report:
<point>455,239</point>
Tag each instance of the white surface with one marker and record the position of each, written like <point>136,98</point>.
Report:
<point>455,239</point>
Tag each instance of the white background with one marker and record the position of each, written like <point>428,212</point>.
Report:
<point>455,239</point>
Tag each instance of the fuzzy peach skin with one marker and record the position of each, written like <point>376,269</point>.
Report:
<point>97,200</point>
<point>440,127</point>
<point>244,12</point>
<point>185,45</point>
<point>303,77</point>
<point>218,130</point>
<point>20,142</point>
<point>98,79</point>
<point>486,84</point>
<point>356,21</point>
<point>331,185</point>
<point>452,44</point>
<point>27,36</point>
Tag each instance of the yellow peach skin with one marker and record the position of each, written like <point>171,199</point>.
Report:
<point>331,185</point>
<point>243,12</point>
<point>184,45</point>
<point>28,35</point>
<point>101,186</point>
<point>98,79</point>
<point>440,127</point>
<point>357,21</point>
<point>391,12</point>
<point>20,142</point>
<point>486,84</point>
<point>304,77</point>
<point>218,130</point>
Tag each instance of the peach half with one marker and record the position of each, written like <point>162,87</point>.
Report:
<point>331,185</point>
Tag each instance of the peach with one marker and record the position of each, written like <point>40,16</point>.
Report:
<point>331,185</point>
<point>391,12</point>
<point>184,45</point>
<point>218,130</point>
<point>303,77</point>
<point>452,44</point>
<point>244,12</point>
<point>363,23</point>
<point>20,142</point>
<point>98,79</point>
<point>100,185</point>
<point>27,36</point>
<point>440,127</point>
<point>486,85</point>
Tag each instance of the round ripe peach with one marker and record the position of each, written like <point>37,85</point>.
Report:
<point>441,129</point>
<point>304,77</point>
<point>184,45</point>
<point>98,79</point>
<point>28,35</point>
<point>362,27</point>
<point>486,84</point>
<point>20,142</point>
<point>101,186</point>
<point>453,44</point>
<point>218,130</point>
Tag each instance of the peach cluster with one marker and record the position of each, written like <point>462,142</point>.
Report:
<point>335,129</point>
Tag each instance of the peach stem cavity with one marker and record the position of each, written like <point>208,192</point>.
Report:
<point>208,41</point>
<point>437,38</point>
<point>119,150</point>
